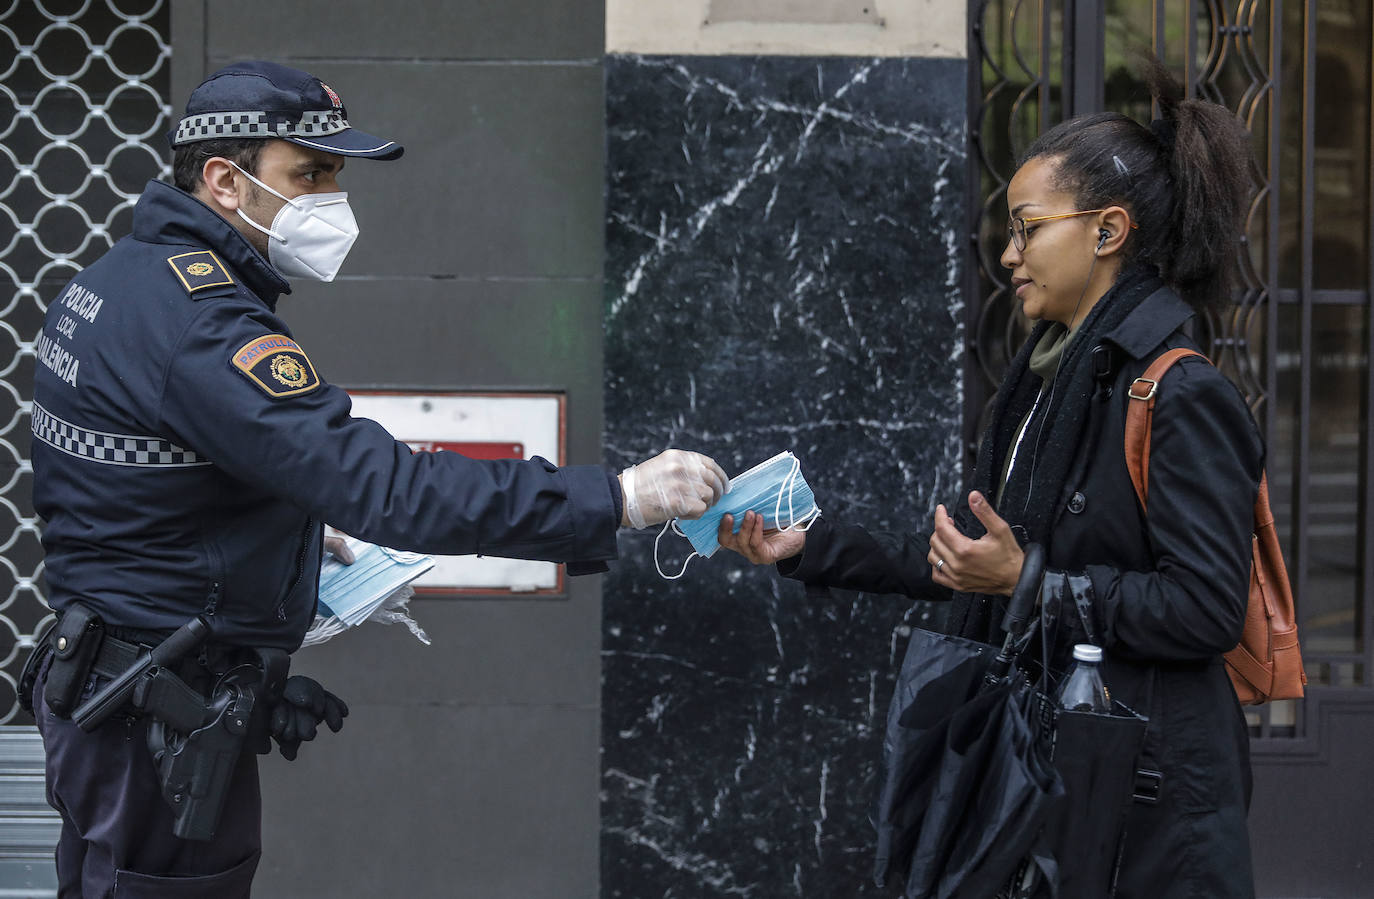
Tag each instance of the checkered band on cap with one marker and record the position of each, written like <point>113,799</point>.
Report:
<point>232,125</point>
<point>111,449</point>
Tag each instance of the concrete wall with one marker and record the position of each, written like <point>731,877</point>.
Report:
<point>467,768</point>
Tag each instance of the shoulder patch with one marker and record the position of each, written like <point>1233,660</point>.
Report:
<point>199,270</point>
<point>277,364</point>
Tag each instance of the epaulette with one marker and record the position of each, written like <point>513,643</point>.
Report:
<point>201,273</point>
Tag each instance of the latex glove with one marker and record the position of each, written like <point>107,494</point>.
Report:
<point>338,547</point>
<point>674,484</point>
<point>304,704</point>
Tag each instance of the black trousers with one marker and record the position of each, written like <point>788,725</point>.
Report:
<point>117,838</point>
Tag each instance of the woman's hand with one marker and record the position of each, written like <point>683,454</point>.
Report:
<point>757,545</point>
<point>990,564</point>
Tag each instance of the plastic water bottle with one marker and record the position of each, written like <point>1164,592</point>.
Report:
<point>1084,691</point>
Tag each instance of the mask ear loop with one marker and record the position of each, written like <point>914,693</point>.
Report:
<point>671,523</point>
<point>786,487</point>
<point>401,557</point>
<point>268,231</point>
<point>789,484</point>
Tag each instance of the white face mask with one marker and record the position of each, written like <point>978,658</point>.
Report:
<point>310,236</point>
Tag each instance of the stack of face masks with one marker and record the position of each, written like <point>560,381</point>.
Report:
<point>352,591</point>
<point>774,488</point>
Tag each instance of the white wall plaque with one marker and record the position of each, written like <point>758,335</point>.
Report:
<point>481,426</point>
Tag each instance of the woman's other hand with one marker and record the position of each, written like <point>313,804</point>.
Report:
<point>990,564</point>
<point>757,545</point>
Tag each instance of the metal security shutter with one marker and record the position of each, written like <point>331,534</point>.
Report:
<point>83,113</point>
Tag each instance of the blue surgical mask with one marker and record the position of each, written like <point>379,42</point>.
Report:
<point>353,591</point>
<point>774,488</point>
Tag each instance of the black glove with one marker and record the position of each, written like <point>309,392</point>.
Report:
<point>304,704</point>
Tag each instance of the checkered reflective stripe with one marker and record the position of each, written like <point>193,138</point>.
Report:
<point>211,125</point>
<point>111,449</point>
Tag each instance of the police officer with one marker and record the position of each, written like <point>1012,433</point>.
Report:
<point>186,453</point>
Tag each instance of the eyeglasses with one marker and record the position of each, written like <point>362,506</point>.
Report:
<point>1016,228</point>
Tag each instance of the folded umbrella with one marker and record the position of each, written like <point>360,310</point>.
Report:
<point>966,781</point>
<point>939,675</point>
<point>995,788</point>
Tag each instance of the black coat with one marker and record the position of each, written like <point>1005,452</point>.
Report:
<point>1168,596</point>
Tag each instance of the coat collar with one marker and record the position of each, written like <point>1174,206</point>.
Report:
<point>1155,318</point>
<point>167,215</point>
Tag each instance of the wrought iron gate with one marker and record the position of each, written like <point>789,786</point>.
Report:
<point>83,113</point>
<point>1298,339</point>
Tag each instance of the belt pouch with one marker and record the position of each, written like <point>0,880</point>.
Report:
<point>75,641</point>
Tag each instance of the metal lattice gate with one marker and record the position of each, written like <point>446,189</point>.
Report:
<point>1044,61</point>
<point>1298,340</point>
<point>83,118</point>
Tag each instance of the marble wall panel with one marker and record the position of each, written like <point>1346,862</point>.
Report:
<point>784,253</point>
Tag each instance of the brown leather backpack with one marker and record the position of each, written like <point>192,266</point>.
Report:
<point>1267,663</point>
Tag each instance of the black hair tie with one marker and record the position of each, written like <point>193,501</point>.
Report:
<point>1164,130</point>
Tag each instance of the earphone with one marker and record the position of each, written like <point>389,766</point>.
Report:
<point>1103,235</point>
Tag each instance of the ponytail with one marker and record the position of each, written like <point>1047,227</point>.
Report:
<point>1185,180</point>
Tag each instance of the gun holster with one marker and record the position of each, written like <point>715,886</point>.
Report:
<point>74,642</point>
<point>196,741</point>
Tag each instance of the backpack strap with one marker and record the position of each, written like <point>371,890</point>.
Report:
<point>1140,415</point>
<point>1267,662</point>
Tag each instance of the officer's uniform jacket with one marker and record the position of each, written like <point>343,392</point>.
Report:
<point>186,452</point>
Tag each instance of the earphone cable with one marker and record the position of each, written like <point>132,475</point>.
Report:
<point>1054,381</point>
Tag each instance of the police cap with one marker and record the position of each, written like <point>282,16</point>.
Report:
<point>258,99</point>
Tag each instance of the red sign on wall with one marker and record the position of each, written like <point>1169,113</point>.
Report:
<point>471,449</point>
<point>481,426</point>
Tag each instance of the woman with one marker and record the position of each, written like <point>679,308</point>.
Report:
<point>1119,233</point>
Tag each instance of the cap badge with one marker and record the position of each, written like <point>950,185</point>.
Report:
<point>333,97</point>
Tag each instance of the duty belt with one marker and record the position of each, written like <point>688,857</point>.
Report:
<point>81,646</point>
<point>114,655</point>
<point>121,647</point>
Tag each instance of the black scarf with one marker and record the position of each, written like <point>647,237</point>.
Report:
<point>1034,494</point>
